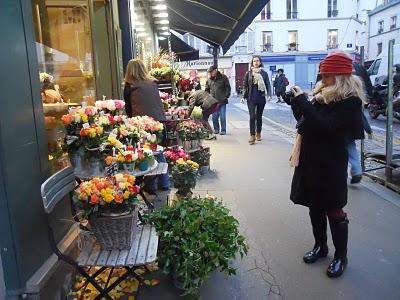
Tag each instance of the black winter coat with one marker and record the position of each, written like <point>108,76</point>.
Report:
<point>219,87</point>
<point>248,83</point>
<point>279,84</point>
<point>320,180</point>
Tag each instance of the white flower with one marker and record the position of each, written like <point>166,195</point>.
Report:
<point>119,177</point>
<point>110,105</point>
<point>77,118</point>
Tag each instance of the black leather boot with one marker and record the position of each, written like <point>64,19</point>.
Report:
<point>319,225</point>
<point>339,229</point>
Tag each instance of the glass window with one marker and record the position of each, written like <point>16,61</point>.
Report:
<point>332,9</point>
<point>292,41</point>
<point>393,22</point>
<point>291,9</point>
<point>381,26</point>
<point>66,69</point>
<point>332,39</point>
<point>266,41</point>
<point>379,48</point>
<point>266,12</point>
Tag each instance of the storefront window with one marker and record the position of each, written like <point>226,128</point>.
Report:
<point>65,58</point>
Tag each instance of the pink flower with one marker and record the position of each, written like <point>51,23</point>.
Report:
<point>119,104</point>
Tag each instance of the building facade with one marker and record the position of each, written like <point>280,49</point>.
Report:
<point>384,25</point>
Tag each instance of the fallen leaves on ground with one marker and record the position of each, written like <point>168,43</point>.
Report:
<point>126,290</point>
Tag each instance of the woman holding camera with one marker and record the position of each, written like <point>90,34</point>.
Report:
<point>256,88</point>
<point>325,126</point>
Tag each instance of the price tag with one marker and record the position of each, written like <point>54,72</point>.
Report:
<point>126,122</point>
<point>86,125</point>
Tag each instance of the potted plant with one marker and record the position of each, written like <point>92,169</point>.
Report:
<point>108,203</point>
<point>202,157</point>
<point>184,175</point>
<point>197,237</point>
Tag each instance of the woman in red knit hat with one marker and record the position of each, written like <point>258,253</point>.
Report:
<point>325,127</point>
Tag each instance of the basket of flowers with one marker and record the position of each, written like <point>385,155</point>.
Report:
<point>109,204</point>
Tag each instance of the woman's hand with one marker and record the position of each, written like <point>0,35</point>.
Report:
<point>297,91</point>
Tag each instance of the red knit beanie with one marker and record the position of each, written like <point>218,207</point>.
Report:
<point>338,63</point>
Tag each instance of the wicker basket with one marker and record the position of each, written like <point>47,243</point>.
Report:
<point>115,232</point>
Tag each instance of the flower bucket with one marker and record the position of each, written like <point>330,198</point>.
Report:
<point>195,144</point>
<point>115,231</point>
<point>200,141</point>
<point>78,163</point>
<point>143,165</point>
<point>129,167</point>
<point>95,168</point>
<point>187,145</point>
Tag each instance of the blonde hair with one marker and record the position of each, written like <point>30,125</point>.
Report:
<point>345,86</point>
<point>136,70</point>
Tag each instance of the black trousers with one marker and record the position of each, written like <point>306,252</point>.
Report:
<point>256,113</point>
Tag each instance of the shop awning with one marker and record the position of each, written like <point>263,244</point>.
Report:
<point>183,51</point>
<point>217,22</point>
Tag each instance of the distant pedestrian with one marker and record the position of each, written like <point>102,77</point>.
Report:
<point>256,89</point>
<point>325,127</point>
<point>396,80</point>
<point>280,84</point>
<point>218,86</point>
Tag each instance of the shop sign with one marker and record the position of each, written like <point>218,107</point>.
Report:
<point>272,68</point>
<point>205,63</point>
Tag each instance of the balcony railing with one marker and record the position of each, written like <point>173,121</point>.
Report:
<point>332,46</point>
<point>393,26</point>
<point>293,47</point>
<point>333,13</point>
<point>380,30</point>
<point>240,49</point>
<point>291,15</point>
<point>267,48</point>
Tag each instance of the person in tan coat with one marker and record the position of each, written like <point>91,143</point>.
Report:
<point>141,94</point>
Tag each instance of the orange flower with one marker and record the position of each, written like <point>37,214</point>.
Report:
<point>66,119</point>
<point>109,160</point>
<point>119,198</point>
<point>94,199</point>
<point>83,132</point>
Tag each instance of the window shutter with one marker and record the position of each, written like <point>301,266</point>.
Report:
<point>250,41</point>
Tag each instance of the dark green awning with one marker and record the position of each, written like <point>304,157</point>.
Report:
<point>183,51</point>
<point>217,22</point>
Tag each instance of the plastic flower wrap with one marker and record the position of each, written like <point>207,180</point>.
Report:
<point>173,154</point>
<point>107,194</point>
<point>114,107</point>
<point>146,125</point>
<point>184,174</point>
<point>190,130</point>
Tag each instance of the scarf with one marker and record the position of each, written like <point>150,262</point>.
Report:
<point>258,79</point>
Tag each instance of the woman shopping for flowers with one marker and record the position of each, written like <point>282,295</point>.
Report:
<point>256,88</point>
<point>325,126</point>
<point>142,98</point>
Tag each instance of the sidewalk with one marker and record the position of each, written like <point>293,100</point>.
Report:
<point>254,181</point>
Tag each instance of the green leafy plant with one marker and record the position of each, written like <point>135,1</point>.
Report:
<point>197,237</point>
<point>202,157</point>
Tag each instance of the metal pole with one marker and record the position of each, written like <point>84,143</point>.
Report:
<point>215,55</point>
<point>389,119</point>
<point>362,150</point>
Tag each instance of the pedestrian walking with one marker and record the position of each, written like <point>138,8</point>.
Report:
<point>218,86</point>
<point>396,80</point>
<point>320,157</point>
<point>280,84</point>
<point>256,88</point>
<point>208,105</point>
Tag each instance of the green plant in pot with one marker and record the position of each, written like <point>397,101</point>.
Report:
<point>184,175</point>
<point>197,237</point>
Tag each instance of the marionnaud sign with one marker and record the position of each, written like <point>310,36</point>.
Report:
<point>204,63</point>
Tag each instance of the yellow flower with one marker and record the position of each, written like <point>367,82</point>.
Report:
<point>85,118</point>
<point>126,195</point>
<point>108,198</point>
<point>92,132</point>
<point>181,162</point>
<point>193,164</point>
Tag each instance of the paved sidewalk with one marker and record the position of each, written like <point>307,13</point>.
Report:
<point>254,181</point>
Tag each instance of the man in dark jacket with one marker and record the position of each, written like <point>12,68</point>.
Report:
<point>280,84</point>
<point>218,86</point>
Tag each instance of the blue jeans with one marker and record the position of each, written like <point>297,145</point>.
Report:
<point>354,159</point>
<point>220,116</point>
<point>160,181</point>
